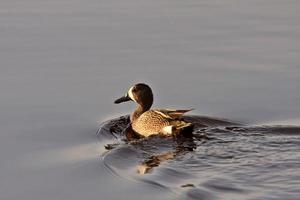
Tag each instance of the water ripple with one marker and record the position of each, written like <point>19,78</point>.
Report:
<point>223,160</point>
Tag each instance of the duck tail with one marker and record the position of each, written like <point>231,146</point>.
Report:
<point>183,127</point>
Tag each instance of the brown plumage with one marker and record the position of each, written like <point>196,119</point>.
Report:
<point>148,122</point>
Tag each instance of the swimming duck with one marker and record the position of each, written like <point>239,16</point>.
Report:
<point>148,122</point>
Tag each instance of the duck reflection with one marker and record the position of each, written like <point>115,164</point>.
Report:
<point>179,145</point>
<point>158,149</point>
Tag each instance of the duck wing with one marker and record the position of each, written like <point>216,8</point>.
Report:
<point>171,114</point>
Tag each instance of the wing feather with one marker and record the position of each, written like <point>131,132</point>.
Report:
<point>172,114</point>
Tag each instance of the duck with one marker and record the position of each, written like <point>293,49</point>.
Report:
<point>146,121</point>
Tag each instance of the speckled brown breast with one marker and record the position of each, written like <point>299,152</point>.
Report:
<point>149,123</point>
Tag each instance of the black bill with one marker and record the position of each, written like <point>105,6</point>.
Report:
<point>123,99</point>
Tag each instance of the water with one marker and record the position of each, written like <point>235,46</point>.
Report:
<point>64,62</point>
<point>221,161</point>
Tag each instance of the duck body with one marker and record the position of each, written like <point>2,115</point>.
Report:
<point>160,121</point>
<point>148,122</point>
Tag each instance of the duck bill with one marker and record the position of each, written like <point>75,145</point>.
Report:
<point>122,99</point>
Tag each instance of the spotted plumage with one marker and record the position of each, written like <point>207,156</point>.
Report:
<point>148,122</point>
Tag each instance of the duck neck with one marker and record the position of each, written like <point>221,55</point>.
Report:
<point>139,111</point>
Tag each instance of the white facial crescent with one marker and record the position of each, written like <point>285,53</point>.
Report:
<point>130,94</point>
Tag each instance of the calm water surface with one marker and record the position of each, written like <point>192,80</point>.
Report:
<point>62,64</point>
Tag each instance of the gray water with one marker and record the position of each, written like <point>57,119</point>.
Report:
<point>62,64</point>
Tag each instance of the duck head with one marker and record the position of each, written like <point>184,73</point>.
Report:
<point>139,93</point>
